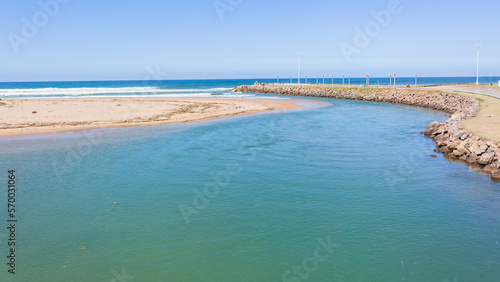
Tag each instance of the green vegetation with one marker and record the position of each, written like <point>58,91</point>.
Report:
<point>2,104</point>
<point>452,93</point>
<point>462,94</point>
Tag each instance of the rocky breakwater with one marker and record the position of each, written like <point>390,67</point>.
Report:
<point>456,143</point>
<point>451,138</point>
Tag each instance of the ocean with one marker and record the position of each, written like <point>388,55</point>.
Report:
<point>342,191</point>
<point>192,88</point>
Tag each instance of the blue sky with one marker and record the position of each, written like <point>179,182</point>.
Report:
<point>190,39</point>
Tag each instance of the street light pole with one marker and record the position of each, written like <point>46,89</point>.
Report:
<point>299,66</point>
<point>477,73</point>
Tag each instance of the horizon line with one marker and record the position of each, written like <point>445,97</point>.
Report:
<point>269,78</point>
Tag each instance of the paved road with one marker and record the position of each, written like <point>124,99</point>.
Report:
<point>489,91</point>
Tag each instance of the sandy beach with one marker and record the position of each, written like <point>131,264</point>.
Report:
<point>32,116</point>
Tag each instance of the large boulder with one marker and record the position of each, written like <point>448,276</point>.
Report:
<point>442,143</point>
<point>495,174</point>
<point>464,158</point>
<point>463,135</point>
<point>486,158</point>
<point>462,144</point>
<point>453,145</point>
<point>481,149</point>
<point>460,151</point>
<point>432,128</point>
<point>472,158</point>
<point>492,167</point>
<point>494,148</point>
<point>473,147</point>
<point>441,130</point>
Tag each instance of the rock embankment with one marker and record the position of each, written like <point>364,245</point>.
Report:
<point>450,137</point>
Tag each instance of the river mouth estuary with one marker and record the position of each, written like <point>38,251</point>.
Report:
<point>250,141</point>
<point>346,192</point>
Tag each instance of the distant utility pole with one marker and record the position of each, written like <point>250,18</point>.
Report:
<point>415,80</point>
<point>278,79</point>
<point>394,80</point>
<point>477,74</point>
<point>343,79</point>
<point>299,66</point>
<point>367,80</point>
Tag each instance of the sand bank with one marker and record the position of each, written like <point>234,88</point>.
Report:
<point>31,116</point>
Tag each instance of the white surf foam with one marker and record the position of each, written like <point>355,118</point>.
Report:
<point>90,91</point>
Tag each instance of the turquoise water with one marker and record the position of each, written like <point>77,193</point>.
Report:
<point>345,192</point>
